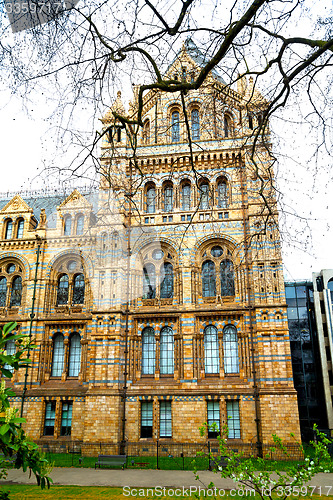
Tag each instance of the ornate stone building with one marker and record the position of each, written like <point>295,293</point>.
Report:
<point>159,300</point>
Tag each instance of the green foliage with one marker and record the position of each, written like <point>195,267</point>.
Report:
<point>17,449</point>
<point>254,474</point>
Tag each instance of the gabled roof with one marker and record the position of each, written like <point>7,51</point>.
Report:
<point>197,57</point>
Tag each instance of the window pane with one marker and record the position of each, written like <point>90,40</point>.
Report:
<point>9,230</point>
<point>167,281</point>
<point>168,198</point>
<point>148,351</point>
<point>66,419</point>
<point>49,419</point>
<point>227,278</point>
<point>74,356</point>
<point>195,125</point>
<point>186,197</point>
<point>233,420</point>
<point>213,418</point>
<point>208,279</point>
<point>222,198</point>
<point>147,419</point>
<point>20,228</point>
<point>230,346</point>
<point>62,292</point>
<point>212,361</point>
<point>58,356</point>
<point>150,199</point>
<point>3,291</point>
<point>68,226</point>
<point>167,351</point>
<point>175,127</point>
<point>204,196</point>
<point>79,225</point>
<point>149,282</point>
<point>78,289</point>
<point>16,295</point>
<point>165,419</point>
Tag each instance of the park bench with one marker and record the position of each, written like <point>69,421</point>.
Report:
<point>111,461</point>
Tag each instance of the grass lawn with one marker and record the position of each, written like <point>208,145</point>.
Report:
<point>27,492</point>
<point>165,463</point>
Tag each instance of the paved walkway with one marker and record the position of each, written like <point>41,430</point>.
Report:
<point>146,478</point>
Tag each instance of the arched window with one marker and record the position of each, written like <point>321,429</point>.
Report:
<point>250,118</point>
<point>58,356</point>
<point>9,229</point>
<point>74,355</point>
<point>20,227</point>
<point>230,350</point>
<point>166,289</point>
<point>222,194</point>
<point>3,291</point>
<point>195,125</point>
<point>150,200</point>
<point>186,196</point>
<point>208,275</point>
<point>227,126</point>
<point>79,225</point>
<point>148,351</point>
<point>227,278</point>
<point>168,198</point>
<point>149,281</point>
<point>211,343</point>
<point>62,290</point>
<point>204,196</point>
<point>175,136</point>
<point>166,351</point>
<point>78,289</point>
<point>68,225</point>
<point>16,295</point>
<point>146,132</point>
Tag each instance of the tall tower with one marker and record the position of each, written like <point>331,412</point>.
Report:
<point>208,337</point>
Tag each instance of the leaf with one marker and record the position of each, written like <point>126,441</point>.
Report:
<point>4,428</point>
<point>8,327</point>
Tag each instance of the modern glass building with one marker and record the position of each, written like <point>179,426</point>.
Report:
<point>305,356</point>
